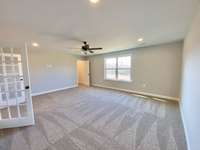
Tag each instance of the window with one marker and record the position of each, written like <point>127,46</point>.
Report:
<point>118,68</point>
<point>111,67</point>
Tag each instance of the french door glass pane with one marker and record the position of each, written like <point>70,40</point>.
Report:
<point>9,70</point>
<point>4,97</point>
<point>1,70</point>
<point>8,60</point>
<point>2,88</point>
<point>111,74</point>
<point>124,74</point>
<point>1,60</point>
<point>110,63</point>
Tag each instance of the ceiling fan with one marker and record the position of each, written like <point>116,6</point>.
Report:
<point>61,37</point>
<point>87,49</point>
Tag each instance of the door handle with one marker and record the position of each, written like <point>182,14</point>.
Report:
<point>27,87</point>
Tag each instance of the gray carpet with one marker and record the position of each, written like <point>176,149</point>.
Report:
<point>98,119</point>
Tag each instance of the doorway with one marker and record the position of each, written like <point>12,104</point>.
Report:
<point>83,72</point>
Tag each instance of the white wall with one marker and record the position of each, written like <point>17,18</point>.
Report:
<point>190,104</point>
<point>158,67</point>
<point>51,70</point>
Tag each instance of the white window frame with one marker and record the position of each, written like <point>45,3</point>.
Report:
<point>117,68</point>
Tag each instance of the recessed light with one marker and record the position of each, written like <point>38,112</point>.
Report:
<point>94,1</point>
<point>35,44</point>
<point>140,40</point>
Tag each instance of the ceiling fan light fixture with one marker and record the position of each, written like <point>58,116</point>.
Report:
<point>83,52</point>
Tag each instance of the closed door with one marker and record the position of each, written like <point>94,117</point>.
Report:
<point>15,94</point>
<point>83,67</point>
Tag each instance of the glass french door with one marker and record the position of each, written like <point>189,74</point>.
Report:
<point>16,108</point>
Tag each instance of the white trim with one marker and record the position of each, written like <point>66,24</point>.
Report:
<point>29,102</point>
<point>138,92</point>
<point>16,122</point>
<point>54,90</point>
<point>185,127</point>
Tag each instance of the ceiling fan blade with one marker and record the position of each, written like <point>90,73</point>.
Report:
<point>91,51</point>
<point>95,48</point>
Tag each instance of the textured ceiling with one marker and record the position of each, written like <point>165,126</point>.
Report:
<point>111,24</point>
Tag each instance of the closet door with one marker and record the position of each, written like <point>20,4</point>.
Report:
<point>16,108</point>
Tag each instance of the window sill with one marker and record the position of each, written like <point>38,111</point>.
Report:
<point>118,80</point>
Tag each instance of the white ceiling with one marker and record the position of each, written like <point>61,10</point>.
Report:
<point>111,24</point>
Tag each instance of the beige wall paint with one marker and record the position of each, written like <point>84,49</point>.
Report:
<point>51,70</point>
<point>155,69</point>
<point>190,104</point>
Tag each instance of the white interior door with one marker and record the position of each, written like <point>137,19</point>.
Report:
<point>83,67</point>
<point>15,94</point>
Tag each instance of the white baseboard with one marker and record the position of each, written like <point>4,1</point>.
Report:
<point>185,127</point>
<point>54,90</point>
<point>138,92</point>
